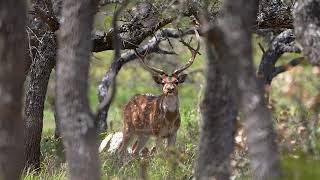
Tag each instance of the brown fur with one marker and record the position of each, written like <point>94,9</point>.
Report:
<point>148,115</point>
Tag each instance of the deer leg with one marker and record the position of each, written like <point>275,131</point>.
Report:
<point>141,142</point>
<point>171,140</point>
<point>124,144</point>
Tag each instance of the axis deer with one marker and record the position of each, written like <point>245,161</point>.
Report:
<point>147,115</point>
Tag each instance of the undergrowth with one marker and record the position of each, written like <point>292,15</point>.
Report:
<point>292,99</point>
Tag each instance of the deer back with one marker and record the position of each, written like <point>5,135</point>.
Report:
<point>147,114</point>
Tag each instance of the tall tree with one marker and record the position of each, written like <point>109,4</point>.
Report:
<point>39,74</point>
<point>234,33</point>
<point>42,52</point>
<point>77,122</point>
<point>12,56</point>
<point>218,126</point>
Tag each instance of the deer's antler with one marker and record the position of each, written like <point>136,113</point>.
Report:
<point>194,53</point>
<point>150,68</point>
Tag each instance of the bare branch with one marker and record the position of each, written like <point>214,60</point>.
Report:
<point>283,43</point>
<point>103,41</point>
<point>286,67</point>
<point>107,100</point>
<point>261,47</point>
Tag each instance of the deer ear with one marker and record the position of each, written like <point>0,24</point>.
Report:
<point>182,78</point>
<point>157,78</point>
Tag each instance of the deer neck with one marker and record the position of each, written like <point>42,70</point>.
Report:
<point>170,103</point>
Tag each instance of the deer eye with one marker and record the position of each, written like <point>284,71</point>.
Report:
<point>176,82</point>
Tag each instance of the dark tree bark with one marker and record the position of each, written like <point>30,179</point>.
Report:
<point>274,14</point>
<point>233,33</point>
<point>282,43</point>
<point>218,126</point>
<point>57,131</point>
<point>77,122</point>
<point>307,28</point>
<point>40,70</point>
<point>42,52</point>
<point>12,56</point>
<point>133,33</point>
<point>103,41</point>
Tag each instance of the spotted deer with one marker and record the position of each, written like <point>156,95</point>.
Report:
<point>147,115</point>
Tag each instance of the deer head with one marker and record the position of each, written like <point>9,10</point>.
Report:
<point>171,81</point>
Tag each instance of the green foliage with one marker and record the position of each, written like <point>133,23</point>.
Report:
<point>164,164</point>
<point>131,80</point>
<point>52,167</point>
<point>290,99</point>
<point>300,168</point>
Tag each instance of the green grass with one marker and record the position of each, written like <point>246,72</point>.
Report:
<point>48,120</point>
<point>179,163</point>
<point>302,167</point>
<point>132,80</point>
<point>164,164</point>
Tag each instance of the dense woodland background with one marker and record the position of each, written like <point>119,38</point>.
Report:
<point>249,108</point>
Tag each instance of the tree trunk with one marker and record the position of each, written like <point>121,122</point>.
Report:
<point>233,34</point>
<point>218,126</point>
<point>307,28</point>
<point>77,122</point>
<point>57,131</point>
<point>40,70</point>
<point>42,57</point>
<point>12,56</point>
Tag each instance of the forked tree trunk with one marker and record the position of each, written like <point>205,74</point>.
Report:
<point>77,122</point>
<point>218,124</point>
<point>12,56</point>
<point>232,40</point>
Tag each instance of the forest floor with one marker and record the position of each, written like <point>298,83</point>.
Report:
<point>292,101</point>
